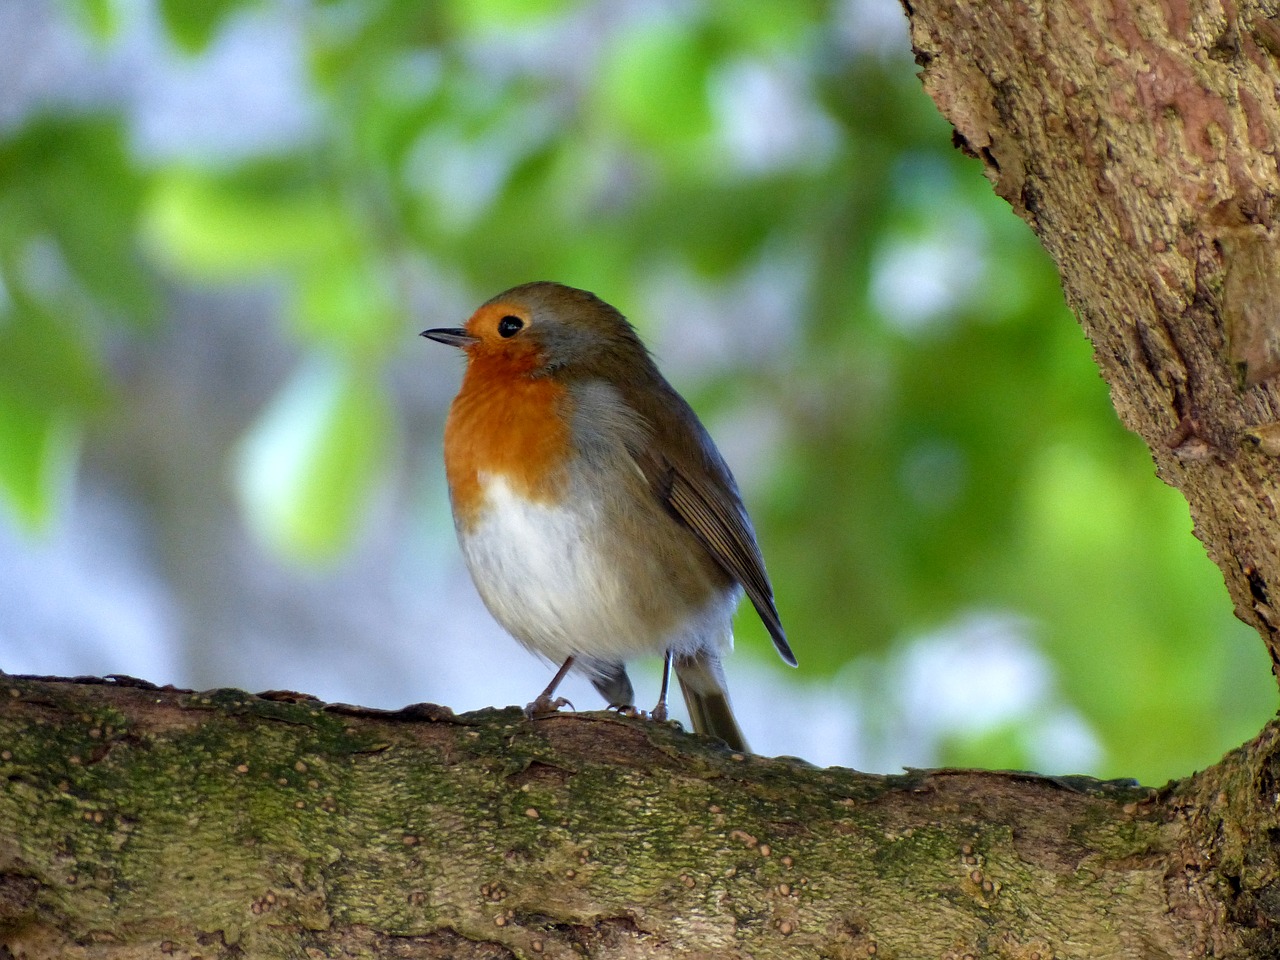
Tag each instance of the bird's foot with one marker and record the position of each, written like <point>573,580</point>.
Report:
<point>626,710</point>
<point>659,713</point>
<point>544,706</point>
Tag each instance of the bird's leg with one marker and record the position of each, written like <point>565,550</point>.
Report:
<point>660,711</point>
<point>544,705</point>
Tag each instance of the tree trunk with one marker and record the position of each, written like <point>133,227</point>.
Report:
<point>143,822</point>
<point>1139,141</point>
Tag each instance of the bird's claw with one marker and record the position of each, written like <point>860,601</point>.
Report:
<point>544,707</point>
<point>657,715</point>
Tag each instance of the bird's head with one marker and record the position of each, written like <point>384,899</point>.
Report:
<point>548,329</point>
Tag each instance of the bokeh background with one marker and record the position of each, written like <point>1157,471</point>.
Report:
<point>224,222</point>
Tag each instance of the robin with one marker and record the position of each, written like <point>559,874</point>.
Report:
<point>596,516</point>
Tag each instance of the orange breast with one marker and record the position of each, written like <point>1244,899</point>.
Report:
<point>507,424</point>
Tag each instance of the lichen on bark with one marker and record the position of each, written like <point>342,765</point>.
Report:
<point>137,821</point>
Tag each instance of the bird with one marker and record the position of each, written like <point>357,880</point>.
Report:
<point>596,517</point>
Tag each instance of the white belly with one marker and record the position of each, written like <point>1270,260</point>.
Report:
<point>544,576</point>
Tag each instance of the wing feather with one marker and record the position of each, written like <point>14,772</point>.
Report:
<point>723,528</point>
<point>685,471</point>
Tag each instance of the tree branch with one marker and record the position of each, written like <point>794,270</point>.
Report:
<point>138,821</point>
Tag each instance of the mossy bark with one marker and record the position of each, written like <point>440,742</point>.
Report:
<point>142,822</point>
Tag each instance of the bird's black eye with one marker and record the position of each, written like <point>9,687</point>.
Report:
<point>509,326</point>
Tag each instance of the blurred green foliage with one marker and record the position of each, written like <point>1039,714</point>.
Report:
<point>936,455</point>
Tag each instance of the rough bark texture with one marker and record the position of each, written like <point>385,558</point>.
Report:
<point>137,822</point>
<point>1139,140</point>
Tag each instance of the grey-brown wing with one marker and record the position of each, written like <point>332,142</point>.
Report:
<point>685,472</point>
<point>721,525</point>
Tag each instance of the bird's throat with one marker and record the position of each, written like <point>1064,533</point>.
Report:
<point>513,427</point>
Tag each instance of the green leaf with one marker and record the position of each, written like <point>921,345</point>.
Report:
<point>654,84</point>
<point>49,381</point>
<point>99,17</point>
<point>38,447</point>
<point>47,360</point>
<point>347,304</point>
<point>482,14</point>
<point>307,468</point>
<point>192,24</point>
<point>766,24</point>
<point>72,181</point>
<point>221,229</point>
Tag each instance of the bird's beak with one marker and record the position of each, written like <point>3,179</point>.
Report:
<point>453,336</point>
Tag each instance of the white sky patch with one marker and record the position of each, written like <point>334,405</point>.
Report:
<point>1062,741</point>
<point>877,27</point>
<point>85,598</point>
<point>462,176</point>
<point>976,675</point>
<point>247,94</point>
<point>918,282</point>
<point>749,437</point>
<point>698,329</point>
<point>768,120</point>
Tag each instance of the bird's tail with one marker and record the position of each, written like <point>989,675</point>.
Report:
<point>705,694</point>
